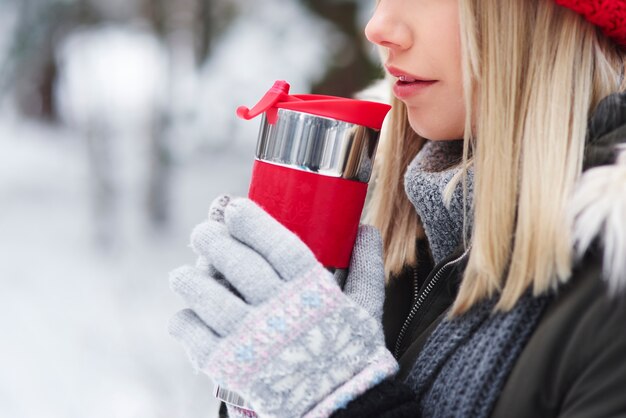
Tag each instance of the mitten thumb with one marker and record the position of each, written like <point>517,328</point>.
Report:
<point>365,283</point>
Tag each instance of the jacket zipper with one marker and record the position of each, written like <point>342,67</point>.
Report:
<point>419,301</point>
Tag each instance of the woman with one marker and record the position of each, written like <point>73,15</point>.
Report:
<point>500,195</point>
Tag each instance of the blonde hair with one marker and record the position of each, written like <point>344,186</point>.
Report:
<point>388,208</point>
<point>533,71</point>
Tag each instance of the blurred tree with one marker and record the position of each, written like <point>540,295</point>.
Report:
<point>174,22</point>
<point>189,28</point>
<point>353,68</point>
<point>213,18</point>
<point>205,20</point>
<point>32,71</point>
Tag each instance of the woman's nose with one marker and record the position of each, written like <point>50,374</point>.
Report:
<point>386,27</point>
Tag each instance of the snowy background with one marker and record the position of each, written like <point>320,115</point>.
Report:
<point>117,130</point>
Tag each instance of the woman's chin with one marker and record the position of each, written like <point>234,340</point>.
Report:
<point>436,127</point>
<point>435,134</point>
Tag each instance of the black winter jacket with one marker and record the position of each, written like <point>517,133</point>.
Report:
<point>574,364</point>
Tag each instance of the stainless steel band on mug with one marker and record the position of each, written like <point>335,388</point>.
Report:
<point>317,144</point>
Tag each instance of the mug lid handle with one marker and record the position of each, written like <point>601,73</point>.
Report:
<point>279,92</point>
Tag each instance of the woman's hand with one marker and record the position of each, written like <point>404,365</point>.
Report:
<point>268,321</point>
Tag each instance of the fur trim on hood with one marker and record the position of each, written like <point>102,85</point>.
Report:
<point>598,206</point>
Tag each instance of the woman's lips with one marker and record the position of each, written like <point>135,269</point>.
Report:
<point>406,89</point>
<point>407,84</point>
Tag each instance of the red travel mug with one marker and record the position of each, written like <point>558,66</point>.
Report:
<point>314,159</point>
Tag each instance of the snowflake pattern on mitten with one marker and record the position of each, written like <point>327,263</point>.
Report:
<point>307,356</point>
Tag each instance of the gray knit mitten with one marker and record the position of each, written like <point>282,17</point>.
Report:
<point>365,283</point>
<point>268,321</point>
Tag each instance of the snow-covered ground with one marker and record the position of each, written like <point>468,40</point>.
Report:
<point>84,331</point>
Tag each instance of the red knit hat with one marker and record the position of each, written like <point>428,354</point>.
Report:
<point>609,15</point>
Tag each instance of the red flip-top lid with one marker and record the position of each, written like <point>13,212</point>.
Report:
<point>359,112</point>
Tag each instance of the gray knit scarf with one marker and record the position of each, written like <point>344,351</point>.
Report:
<point>425,181</point>
<point>462,369</point>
